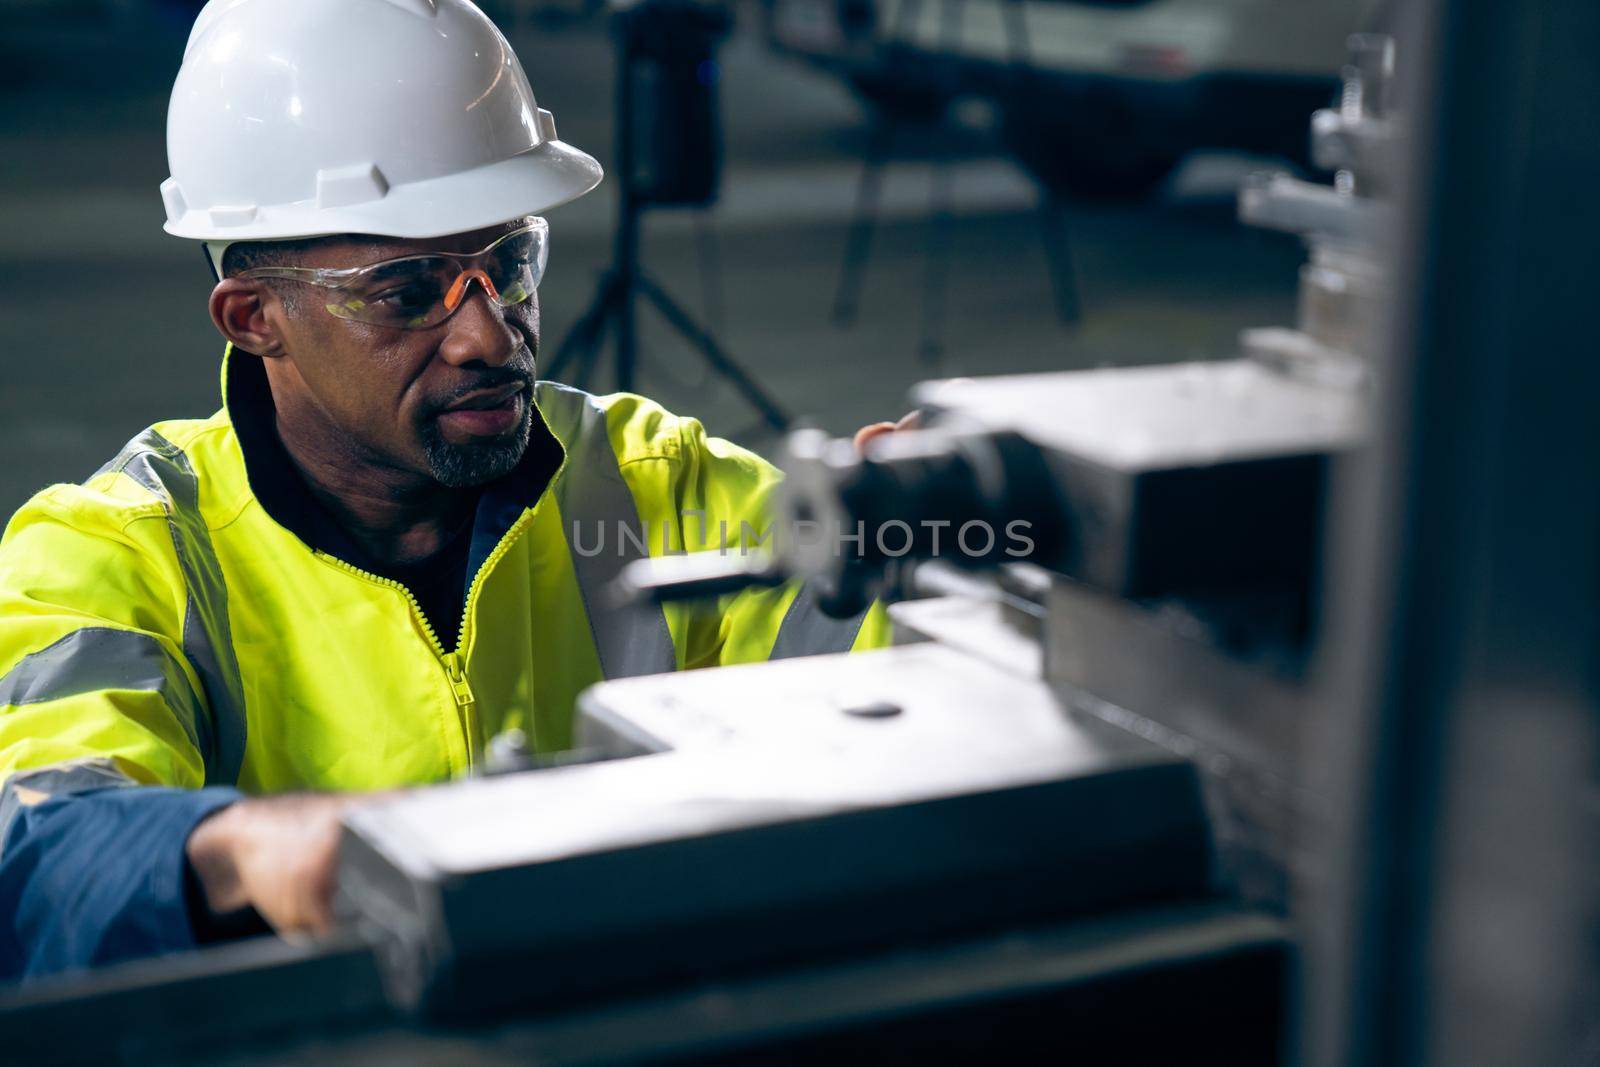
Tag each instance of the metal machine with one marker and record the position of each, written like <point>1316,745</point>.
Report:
<point>1159,788</point>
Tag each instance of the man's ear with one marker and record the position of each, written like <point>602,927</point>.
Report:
<point>239,309</point>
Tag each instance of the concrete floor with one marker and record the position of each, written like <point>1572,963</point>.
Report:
<point>104,329</point>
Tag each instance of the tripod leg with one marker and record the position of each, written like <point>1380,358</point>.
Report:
<point>1052,213</point>
<point>865,217</point>
<point>1058,254</point>
<point>934,288</point>
<point>582,341</point>
<point>712,352</point>
<point>937,267</point>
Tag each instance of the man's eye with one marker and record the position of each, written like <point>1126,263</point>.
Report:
<point>407,297</point>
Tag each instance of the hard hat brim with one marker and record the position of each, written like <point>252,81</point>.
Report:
<point>544,177</point>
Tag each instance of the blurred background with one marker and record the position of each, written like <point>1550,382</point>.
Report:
<point>869,193</point>
<point>908,189</point>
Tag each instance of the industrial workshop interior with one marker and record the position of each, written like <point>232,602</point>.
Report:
<point>800,531</point>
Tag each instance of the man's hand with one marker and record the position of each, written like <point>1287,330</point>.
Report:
<point>275,854</point>
<point>878,429</point>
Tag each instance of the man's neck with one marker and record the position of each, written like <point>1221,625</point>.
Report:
<point>394,516</point>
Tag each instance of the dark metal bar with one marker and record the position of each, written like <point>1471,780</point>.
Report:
<point>1469,617</point>
<point>626,259</point>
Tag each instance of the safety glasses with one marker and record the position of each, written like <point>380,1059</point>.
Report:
<point>415,292</point>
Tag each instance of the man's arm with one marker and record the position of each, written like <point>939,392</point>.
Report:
<point>105,870</point>
<point>716,495</point>
<point>94,873</point>
<point>102,735</point>
<point>109,846</point>
<point>271,856</point>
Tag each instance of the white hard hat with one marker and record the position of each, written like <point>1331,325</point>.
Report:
<point>404,118</point>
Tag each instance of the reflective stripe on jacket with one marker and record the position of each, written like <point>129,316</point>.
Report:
<point>158,625</point>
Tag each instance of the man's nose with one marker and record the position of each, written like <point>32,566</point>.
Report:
<point>478,332</point>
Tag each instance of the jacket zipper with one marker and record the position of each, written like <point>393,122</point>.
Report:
<point>455,660</point>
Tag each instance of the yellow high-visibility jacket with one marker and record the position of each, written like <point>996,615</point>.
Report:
<point>158,624</point>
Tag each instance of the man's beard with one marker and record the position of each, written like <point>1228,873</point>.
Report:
<point>461,466</point>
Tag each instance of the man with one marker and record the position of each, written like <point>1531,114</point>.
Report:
<point>391,543</point>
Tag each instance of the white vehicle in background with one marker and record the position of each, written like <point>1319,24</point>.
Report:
<point>1096,97</point>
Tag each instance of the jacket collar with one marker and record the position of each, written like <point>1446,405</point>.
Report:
<point>278,485</point>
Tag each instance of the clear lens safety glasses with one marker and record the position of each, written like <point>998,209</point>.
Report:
<point>416,292</point>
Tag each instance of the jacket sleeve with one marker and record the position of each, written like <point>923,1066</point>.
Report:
<point>95,871</point>
<point>724,497</point>
<point>103,727</point>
